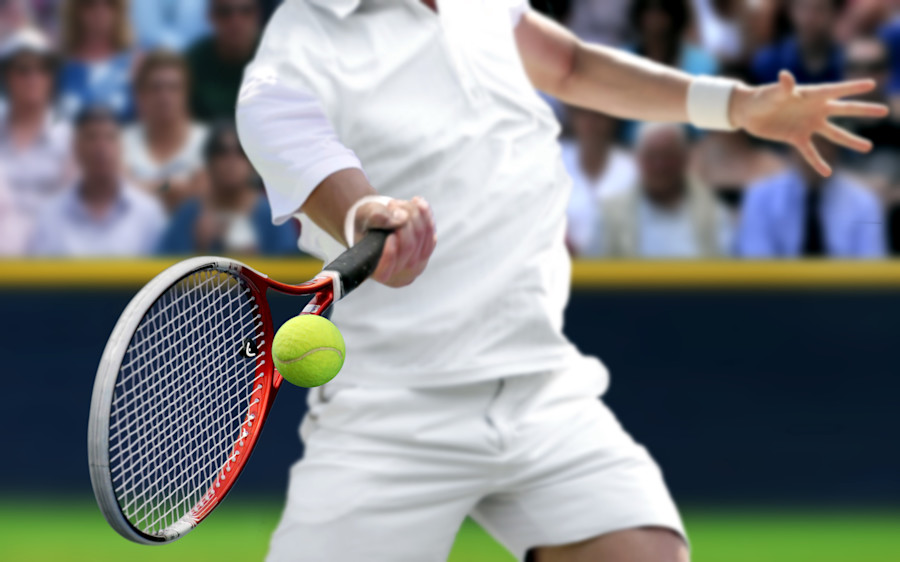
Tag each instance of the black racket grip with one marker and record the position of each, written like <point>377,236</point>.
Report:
<point>359,262</point>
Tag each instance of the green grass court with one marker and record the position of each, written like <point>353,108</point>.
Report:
<point>75,531</point>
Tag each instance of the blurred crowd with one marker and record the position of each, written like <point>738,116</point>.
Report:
<point>117,135</point>
<point>116,129</point>
<point>661,191</point>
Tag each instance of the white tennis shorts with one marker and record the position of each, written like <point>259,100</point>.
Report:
<point>390,474</point>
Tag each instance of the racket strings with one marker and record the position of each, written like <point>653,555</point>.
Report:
<point>182,396</point>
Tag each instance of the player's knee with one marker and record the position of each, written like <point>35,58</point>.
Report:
<point>636,545</point>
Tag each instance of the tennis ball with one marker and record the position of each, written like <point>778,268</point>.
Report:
<point>308,351</point>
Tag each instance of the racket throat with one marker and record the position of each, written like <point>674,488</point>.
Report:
<point>320,304</point>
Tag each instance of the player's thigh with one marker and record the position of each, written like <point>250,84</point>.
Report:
<point>341,511</point>
<point>582,475</point>
<point>373,484</point>
<point>633,545</point>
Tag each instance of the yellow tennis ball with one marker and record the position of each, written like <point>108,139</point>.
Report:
<point>308,351</point>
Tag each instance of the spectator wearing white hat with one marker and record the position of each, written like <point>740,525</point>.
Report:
<point>35,147</point>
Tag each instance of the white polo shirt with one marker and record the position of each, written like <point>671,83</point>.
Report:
<point>436,105</point>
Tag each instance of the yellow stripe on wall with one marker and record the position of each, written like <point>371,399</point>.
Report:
<point>737,275</point>
<point>131,274</point>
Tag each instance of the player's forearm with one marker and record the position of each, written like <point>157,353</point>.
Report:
<point>330,202</point>
<point>624,85</point>
<point>345,205</point>
<point>613,81</point>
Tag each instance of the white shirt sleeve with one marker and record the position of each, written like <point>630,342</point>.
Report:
<point>517,9</point>
<point>289,140</point>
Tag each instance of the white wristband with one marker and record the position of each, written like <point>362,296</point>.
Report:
<point>350,220</point>
<point>709,101</point>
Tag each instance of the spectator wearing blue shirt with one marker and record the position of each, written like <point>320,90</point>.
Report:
<point>101,215</point>
<point>169,24</point>
<point>811,54</point>
<point>890,34</point>
<point>97,44</point>
<point>800,214</point>
<point>233,217</point>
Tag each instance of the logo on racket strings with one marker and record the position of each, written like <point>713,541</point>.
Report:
<point>249,349</point>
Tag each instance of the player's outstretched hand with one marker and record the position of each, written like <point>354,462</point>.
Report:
<point>409,248</point>
<point>786,112</point>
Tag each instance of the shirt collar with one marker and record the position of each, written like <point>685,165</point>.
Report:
<point>340,8</point>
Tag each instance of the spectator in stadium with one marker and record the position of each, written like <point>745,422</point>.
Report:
<point>661,27</point>
<point>598,169</point>
<point>603,22</point>
<point>13,231</point>
<point>862,18</point>
<point>14,15</point>
<point>810,52</point>
<point>169,24</point>
<point>233,216</point>
<point>880,168</point>
<point>765,22</point>
<point>217,62</point>
<point>728,162</point>
<point>35,147</point>
<point>44,14</point>
<point>798,213</point>
<point>164,149</point>
<point>868,58</point>
<point>720,29</point>
<point>102,215</point>
<point>890,34</point>
<point>97,45</point>
<point>668,215</point>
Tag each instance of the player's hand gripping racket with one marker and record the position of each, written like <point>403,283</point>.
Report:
<point>185,384</point>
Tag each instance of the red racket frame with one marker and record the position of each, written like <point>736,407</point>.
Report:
<point>339,278</point>
<point>322,291</point>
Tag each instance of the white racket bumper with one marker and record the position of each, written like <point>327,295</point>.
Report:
<point>180,528</point>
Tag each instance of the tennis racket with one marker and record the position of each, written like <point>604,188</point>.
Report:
<point>185,384</point>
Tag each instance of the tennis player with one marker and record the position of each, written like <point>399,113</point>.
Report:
<point>460,395</point>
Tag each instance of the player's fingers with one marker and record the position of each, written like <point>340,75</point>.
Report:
<point>812,156</point>
<point>841,90</point>
<point>430,238</point>
<point>377,216</point>
<point>857,109</point>
<point>420,229</point>
<point>843,137</point>
<point>399,215</point>
<point>388,263</point>
<point>406,237</point>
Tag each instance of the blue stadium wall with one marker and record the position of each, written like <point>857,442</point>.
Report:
<point>758,383</point>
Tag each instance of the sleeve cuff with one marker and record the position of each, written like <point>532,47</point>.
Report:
<point>287,202</point>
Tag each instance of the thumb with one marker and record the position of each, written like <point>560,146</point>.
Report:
<point>787,81</point>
